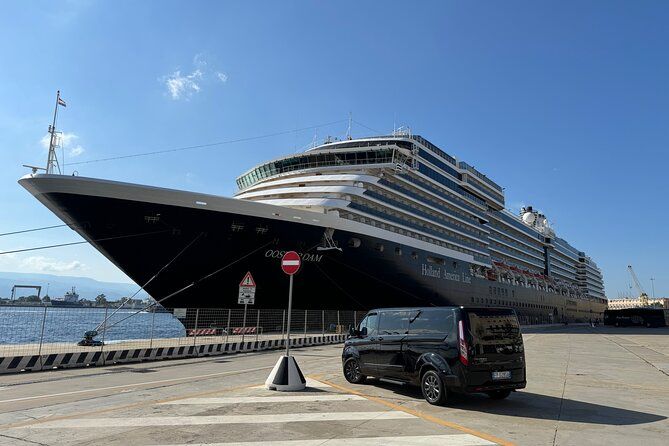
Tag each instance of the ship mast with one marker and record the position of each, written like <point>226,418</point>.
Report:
<point>52,161</point>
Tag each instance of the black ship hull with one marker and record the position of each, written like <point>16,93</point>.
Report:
<point>201,246</point>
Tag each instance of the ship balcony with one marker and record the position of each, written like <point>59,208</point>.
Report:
<point>493,199</point>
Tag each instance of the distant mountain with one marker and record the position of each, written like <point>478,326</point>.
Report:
<point>59,285</point>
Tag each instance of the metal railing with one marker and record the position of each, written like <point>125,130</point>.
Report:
<point>45,330</point>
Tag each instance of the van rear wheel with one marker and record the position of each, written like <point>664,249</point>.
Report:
<point>499,394</point>
<point>433,388</point>
<point>352,371</point>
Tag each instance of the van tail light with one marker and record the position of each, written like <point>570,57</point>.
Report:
<point>462,342</point>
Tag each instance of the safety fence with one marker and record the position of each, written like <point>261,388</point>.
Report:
<point>49,337</point>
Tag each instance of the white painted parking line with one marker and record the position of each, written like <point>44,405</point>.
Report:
<point>138,384</point>
<point>219,419</point>
<point>425,440</point>
<point>310,383</point>
<point>316,384</point>
<point>267,399</point>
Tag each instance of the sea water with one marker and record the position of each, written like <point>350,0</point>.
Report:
<point>23,325</point>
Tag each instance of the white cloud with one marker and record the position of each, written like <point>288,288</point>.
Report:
<point>68,141</point>
<point>200,61</point>
<point>46,264</point>
<point>183,86</point>
<point>8,259</point>
<point>76,151</point>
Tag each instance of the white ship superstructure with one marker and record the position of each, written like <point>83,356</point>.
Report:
<point>403,184</point>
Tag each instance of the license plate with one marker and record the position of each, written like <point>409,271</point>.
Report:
<point>501,375</point>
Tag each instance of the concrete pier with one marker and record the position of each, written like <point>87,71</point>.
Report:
<point>586,385</point>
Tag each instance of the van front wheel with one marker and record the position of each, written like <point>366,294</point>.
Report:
<point>433,388</point>
<point>499,394</point>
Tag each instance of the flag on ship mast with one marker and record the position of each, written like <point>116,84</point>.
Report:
<point>61,102</point>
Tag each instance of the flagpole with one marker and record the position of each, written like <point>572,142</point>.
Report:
<point>52,152</point>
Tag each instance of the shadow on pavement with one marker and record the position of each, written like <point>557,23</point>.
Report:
<point>533,405</point>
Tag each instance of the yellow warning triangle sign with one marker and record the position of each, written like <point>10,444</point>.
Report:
<point>248,280</point>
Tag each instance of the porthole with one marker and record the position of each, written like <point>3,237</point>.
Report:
<point>354,243</point>
<point>414,255</point>
<point>379,247</point>
<point>398,251</point>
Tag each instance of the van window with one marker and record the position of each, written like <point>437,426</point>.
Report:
<point>393,322</point>
<point>431,322</point>
<point>370,323</point>
<point>493,326</point>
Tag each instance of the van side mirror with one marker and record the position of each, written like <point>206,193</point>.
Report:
<point>352,332</point>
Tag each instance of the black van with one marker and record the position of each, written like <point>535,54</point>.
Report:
<point>442,349</point>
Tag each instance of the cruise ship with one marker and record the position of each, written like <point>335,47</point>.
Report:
<point>381,221</point>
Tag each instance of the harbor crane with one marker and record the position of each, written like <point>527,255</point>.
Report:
<point>643,297</point>
<point>35,287</point>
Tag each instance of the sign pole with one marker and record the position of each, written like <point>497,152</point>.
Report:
<point>244,323</point>
<point>286,375</point>
<point>290,309</point>
<point>247,295</point>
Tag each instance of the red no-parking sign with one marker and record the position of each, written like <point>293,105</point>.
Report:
<point>290,263</point>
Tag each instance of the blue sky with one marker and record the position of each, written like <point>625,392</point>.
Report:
<point>565,104</point>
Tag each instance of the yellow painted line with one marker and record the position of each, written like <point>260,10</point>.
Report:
<point>422,415</point>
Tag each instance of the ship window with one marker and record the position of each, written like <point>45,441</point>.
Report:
<point>354,243</point>
<point>437,260</point>
<point>414,255</point>
<point>398,251</point>
<point>379,247</point>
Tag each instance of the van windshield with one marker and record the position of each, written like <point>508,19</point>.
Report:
<point>493,326</point>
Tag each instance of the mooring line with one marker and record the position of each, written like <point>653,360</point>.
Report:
<point>123,302</point>
<point>193,283</point>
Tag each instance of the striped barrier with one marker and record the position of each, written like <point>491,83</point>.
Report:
<point>34,363</point>
<point>201,332</point>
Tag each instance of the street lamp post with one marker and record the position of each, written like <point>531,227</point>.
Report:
<point>652,282</point>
